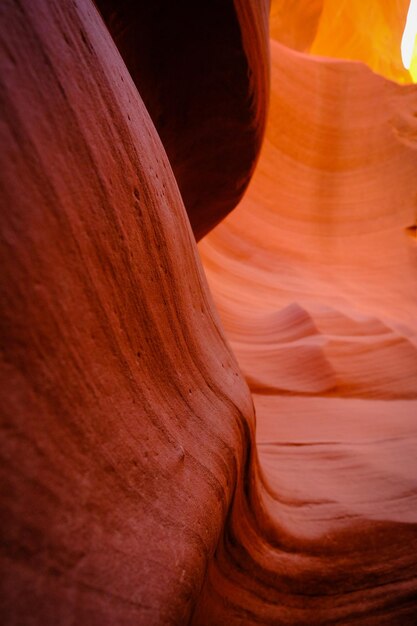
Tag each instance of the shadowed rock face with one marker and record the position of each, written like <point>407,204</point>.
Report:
<point>202,70</point>
<point>135,489</point>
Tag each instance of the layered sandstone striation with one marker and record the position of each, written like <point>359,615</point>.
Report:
<point>314,276</point>
<point>135,486</point>
<point>125,420</point>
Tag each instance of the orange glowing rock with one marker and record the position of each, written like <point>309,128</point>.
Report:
<point>368,31</point>
<point>135,488</point>
<point>315,276</point>
<point>202,71</point>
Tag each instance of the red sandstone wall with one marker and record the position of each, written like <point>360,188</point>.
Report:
<point>135,488</point>
<point>124,417</point>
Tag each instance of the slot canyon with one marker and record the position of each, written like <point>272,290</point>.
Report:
<point>208,254</point>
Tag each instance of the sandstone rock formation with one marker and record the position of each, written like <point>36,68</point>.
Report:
<point>315,277</point>
<point>346,29</point>
<point>125,420</point>
<point>135,486</point>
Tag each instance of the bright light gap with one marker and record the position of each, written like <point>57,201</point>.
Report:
<point>408,42</point>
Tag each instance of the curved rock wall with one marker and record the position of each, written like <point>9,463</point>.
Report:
<point>368,31</point>
<point>124,416</point>
<point>314,276</point>
<point>135,489</point>
<point>202,70</point>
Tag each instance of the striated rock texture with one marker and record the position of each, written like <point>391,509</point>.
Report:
<point>125,420</point>
<point>315,278</point>
<point>134,488</point>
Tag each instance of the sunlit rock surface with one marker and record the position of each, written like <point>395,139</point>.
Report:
<point>135,488</point>
<point>368,31</point>
<point>315,279</point>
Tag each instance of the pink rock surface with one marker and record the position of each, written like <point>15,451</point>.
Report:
<point>135,488</point>
<point>314,276</point>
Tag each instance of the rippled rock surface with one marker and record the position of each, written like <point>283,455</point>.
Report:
<point>236,449</point>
